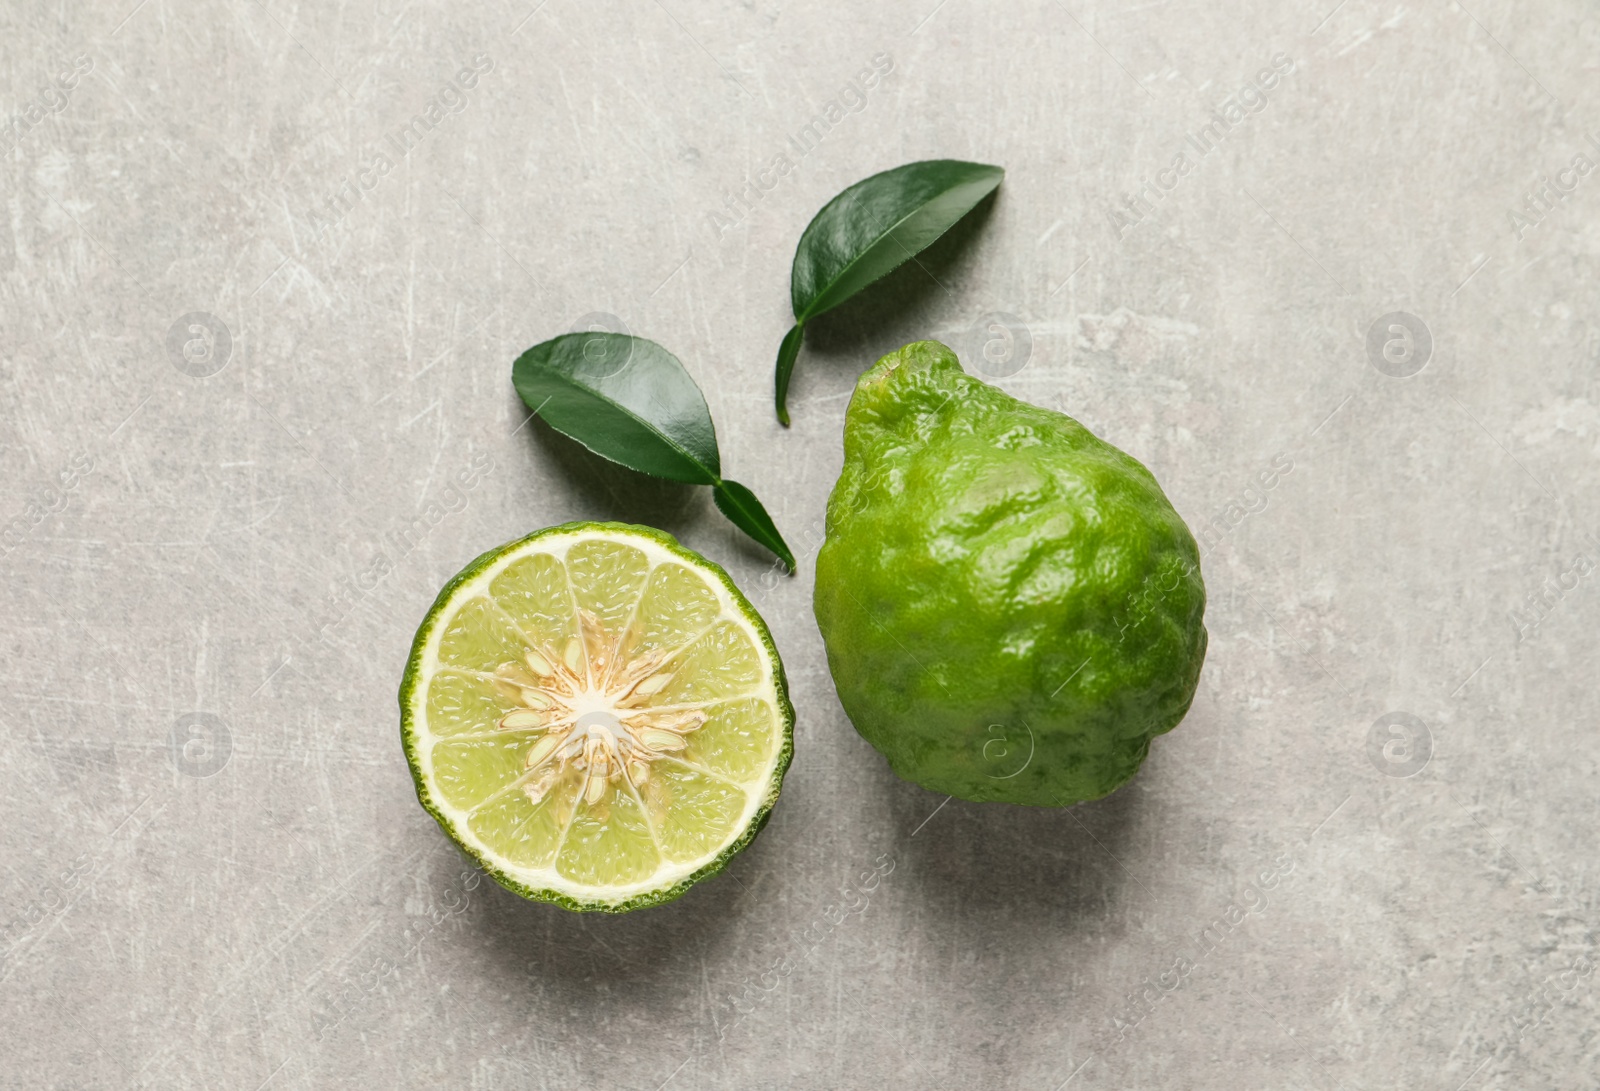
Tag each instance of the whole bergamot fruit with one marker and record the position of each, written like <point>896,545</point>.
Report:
<point>1011,606</point>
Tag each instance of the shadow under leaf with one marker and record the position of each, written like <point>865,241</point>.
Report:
<point>620,494</point>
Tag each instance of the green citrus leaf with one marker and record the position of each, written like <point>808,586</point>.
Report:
<point>876,225</point>
<point>870,230</point>
<point>624,398</point>
<point>742,508</point>
<point>629,400</point>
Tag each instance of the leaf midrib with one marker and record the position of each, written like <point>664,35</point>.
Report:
<point>716,478</point>
<point>862,256</point>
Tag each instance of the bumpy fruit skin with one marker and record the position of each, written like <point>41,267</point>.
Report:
<point>1011,606</point>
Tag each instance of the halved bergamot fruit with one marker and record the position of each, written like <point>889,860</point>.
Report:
<point>597,715</point>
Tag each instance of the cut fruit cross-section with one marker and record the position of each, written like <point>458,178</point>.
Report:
<point>597,715</point>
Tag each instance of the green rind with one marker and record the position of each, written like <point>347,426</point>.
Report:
<point>758,821</point>
<point>993,572</point>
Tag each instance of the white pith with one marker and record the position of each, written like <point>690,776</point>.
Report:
<point>595,729</point>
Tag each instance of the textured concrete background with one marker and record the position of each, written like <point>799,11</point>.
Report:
<point>241,355</point>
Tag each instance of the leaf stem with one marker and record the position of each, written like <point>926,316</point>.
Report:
<point>788,352</point>
<point>742,508</point>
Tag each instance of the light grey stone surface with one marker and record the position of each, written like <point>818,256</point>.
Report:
<point>202,549</point>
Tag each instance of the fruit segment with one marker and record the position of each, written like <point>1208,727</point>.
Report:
<point>607,580</point>
<point>736,740</point>
<point>480,637</point>
<point>459,702</point>
<point>722,663</point>
<point>692,813</point>
<point>534,593</point>
<point>524,832</point>
<point>677,607</point>
<point>609,843</point>
<point>468,771</point>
